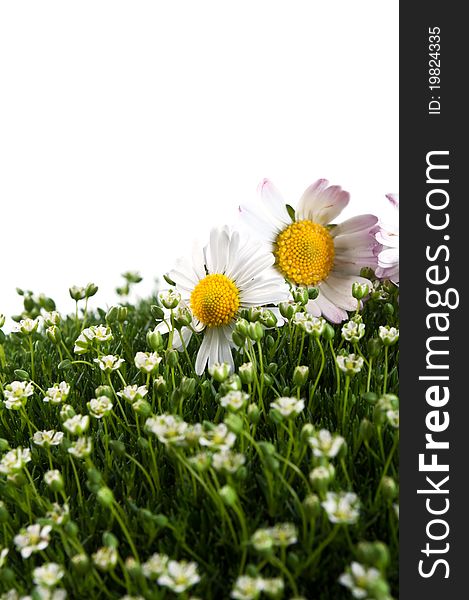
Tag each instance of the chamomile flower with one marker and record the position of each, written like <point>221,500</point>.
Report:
<point>16,394</point>
<point>342,507</point>
<point>388,236</point>
<point>179,576</point>
<point>32,539</point>
<point>230,273</point>
<point>310,251</point>
<point>58,393</point>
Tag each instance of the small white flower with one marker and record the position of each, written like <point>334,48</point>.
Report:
<point>155,565</point>
<point>284,534</point>
<point>45,593</point>
<point>105,558</point>
<point>32,539</point>
<point>388,335</point>
<point>48,575</point>
<point>27,326</point>
<point>322,475</point>
<point>51,318</point>
<point>272,586</point>
<point>393,418</point>
<point>219,371</point>
<point>179,576</point>
<point>353,331</point>
<point>77,425</point>
<point>288,407</point>
<point>109,363</point>
<point>81,448</point>
<point>84,340</point>
<point>218,438</point>
<point>324,443</point>
<point>58,393</point>
<point>132,393</point>
<point>228,461</point>
<point>147,362</point>
<point>3,556</point>
<point>350,364</point>
<point>263,539</point>
<point>169,298</point>
<point>15,460</point>
<point>169,429</point>
<point>101,333</point>
<point>234,400</point>
<point>360,580</point>
<point>59,513</point>
<point>17,393</point>
<point>342,507</point>
<point>48,438</point>
<point>100,407</point>
<point>247,588</point>
<point>311,325</point>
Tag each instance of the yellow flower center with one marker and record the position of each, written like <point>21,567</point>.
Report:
<point>215,300</point>
<point>304,252</point>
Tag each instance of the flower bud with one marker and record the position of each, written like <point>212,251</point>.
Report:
<point>246,373</point>
<point>366,430</point>
<point>307,431</point>
<point>2,320</point>
<point>241,327</point>
<point>133,567</point>
<point>104,390</point>
<point>288,309</point>
<point>54,334</point>
<point>375,554</point>
<point>157,312</point>
<point>253,314</point>
<point>234,423</point>
<point>255,331</point>
<point>90,290</point>
<point>219,371</point>
<point>160,386</point>
<point>77,293</point>
<point>329,332</point>
<point>105,496</point>
<point>301,296</point>
<point>81,563</point>
<point>238,339</point>
<point>142,407</point>
<point>313,293</point>
<point>312,506</point>
<point>300,375</point>
<point>155,340</point>
<point>360,290</point>
<point>232,384</point>
<point>4,445</point>
<point>111,315</point>
<point>182,317</point>
<point>172,358</point>
<point>268,319</point>
<point>228,495</point>
<point>373,346</point>
<point>389,488</point>
<point>117,447</point>
<point>321,476</point>
<point>169,298</point>
<point>110,540</point>
<point>253,413</point>
<point>187,386</point>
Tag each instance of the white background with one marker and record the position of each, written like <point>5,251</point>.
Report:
<point>129,128</point>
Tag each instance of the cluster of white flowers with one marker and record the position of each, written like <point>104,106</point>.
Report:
<point>109,363</point>
<point>132,393</point>
<point>227,461</point>
<point>309,324</point>
<point>32,539</point>
<point>77,425</point>
<point>235,400</point>
<point>81,448</point>
<point>169,429</point>
<point>48,438</point>
<point>147,362</point>
<point>100,407</point>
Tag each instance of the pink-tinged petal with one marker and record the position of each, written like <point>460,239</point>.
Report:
<point>394,200</point>
<point>391,273</point>
<point>329,310</point>
<point>355,240</point>
<point>354,225</point>
<point>273,201</point>
<point>353,265</point>
<point>313,308</point>
<point>338,288</point>
<point>322,204</point>
<point>388,257</point>
<point>387,239</point>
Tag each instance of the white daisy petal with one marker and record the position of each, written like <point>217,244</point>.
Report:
<point>329,310</point>
<point>265,229</point>
<point>273,201</point>
<point>204,351</point>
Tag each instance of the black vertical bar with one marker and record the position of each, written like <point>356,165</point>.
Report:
<point>431,250</point>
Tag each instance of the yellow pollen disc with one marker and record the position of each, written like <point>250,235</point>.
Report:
<point>215,300</point>
<point>304,252</point>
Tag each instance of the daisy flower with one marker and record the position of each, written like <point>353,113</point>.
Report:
<point>230,273</point>
<point>310,251</point>
<point>388,236</point>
